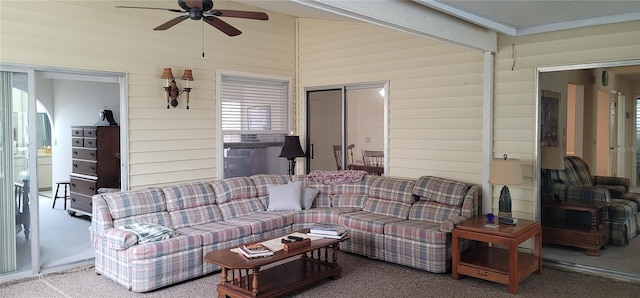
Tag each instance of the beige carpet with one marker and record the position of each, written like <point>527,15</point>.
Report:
<point>361,277</point>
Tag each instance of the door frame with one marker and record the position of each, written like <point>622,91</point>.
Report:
<point>31,70</point>
<point>345,88</point>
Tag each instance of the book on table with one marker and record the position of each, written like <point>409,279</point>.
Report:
<point>327,229</point>
<point>339,236</point>
<point>255,250</point>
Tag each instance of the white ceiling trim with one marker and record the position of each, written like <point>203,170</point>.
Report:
<point>470,17</point>
<point>632,16</point>
<point>412,18</point>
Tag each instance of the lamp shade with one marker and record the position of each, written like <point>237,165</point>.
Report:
<point>505,171</point>
<point>552,158</point>
<point>167,74</point>
<point>188,76</point>
<point>291,148</point>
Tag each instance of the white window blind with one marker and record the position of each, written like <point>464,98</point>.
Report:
<point>253,105</point>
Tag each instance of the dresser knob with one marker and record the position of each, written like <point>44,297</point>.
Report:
<point>75,165</point>
<point>92,154</point>
<point>92,168</point>
<point>73,185</point>
<point>75,152</point>
<point>91,188</point>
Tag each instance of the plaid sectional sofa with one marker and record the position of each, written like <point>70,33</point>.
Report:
<point>403,221</point>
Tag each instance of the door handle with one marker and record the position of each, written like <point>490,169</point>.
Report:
<point>311,149</point>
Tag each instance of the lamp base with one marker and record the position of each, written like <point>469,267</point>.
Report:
<point>292,166</point>
<point>504,204</point>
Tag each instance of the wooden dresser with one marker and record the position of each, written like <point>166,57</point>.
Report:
<point>95,158</point>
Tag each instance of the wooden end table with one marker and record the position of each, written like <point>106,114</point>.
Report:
<point>564,230</point>
<point>242,277</point>
<point>506,266</point>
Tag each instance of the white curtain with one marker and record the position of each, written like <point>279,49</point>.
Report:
<point>7,200</point>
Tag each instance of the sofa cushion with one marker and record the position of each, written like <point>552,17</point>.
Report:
<point>352,194</point>
<point>285,197</point>
<point>191,204</point>
<point>308,196</point>
<point>314,215</point>
<point>234,188</point>
<point>135,202</point>
<point>440,190</point>
<point>392,189</point>
<point>416,230</point>
<point>366,221</point>
<point>261,222</point>
<point>264,181</point>
<point>576,172</point>
<point>432,211</point>
<point>323,199</point>
<point>195,216</point>
<point>388,208</point>
<point>240,207</point>
<point>217,232</point>
<point>154,250</point>
<point>188,195</point>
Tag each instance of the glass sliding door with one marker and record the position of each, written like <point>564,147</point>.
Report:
<point>15,220</point>
<point>345,122</point>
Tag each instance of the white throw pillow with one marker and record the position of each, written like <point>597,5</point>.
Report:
<point>309,194</point>
<point>285,197</point>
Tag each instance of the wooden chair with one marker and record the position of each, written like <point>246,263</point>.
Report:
<point>337,154</point>
<point>21,195</point>
<point>373,158</point>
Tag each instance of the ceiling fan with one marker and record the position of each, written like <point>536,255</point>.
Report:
<point>203,10</point>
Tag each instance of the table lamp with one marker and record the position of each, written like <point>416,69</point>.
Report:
<point>292,149</point>
<point>552,158</point>
<point>505,171</point>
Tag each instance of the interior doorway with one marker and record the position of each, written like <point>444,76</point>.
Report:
<point>596,122</point>
<point>43,103</point>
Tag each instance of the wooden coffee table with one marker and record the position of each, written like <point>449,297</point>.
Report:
<point>242,277</point>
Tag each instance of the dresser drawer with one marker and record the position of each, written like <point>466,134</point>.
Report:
<point>89,132</point>
<point>79,153</point>
<point>81,202</point>
<point>83,167</point>
<point>83,186</point>
<point>77,142</point>
<point>77,132</point>
<point>90,142</point>
<point>483,273</point>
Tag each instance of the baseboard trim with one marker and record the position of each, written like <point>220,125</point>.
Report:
<point>608,273</point>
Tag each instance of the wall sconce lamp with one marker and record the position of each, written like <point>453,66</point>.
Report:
<point>505,171</point>
<point>171,88</point>
<point>292,149</point>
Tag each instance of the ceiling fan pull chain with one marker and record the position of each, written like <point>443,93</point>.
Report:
<point>202,26</point>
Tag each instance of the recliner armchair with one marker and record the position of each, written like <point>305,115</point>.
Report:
<point>576,182</point>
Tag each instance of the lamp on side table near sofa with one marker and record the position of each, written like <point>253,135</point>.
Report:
<point>292,149</point>
<point>505,171</point>
<point>552,158</point>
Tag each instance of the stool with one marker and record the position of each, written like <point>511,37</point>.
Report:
<point>65,186</point>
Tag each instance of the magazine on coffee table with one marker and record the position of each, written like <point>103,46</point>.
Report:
<point>327,229</point>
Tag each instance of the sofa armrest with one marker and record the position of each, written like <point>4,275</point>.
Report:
<point>118,239</point>
<point>614,181</point>
<point>448,225</point>
<point>581,192</point>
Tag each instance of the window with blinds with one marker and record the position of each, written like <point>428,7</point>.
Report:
<point>253,120</point>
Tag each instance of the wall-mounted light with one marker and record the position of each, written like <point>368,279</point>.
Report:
<point>172,92</point>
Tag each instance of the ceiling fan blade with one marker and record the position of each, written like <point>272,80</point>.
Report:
<point>171,23</point>
<point>239,14</point>
<point>138,7</point>
<point>222,26</point>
